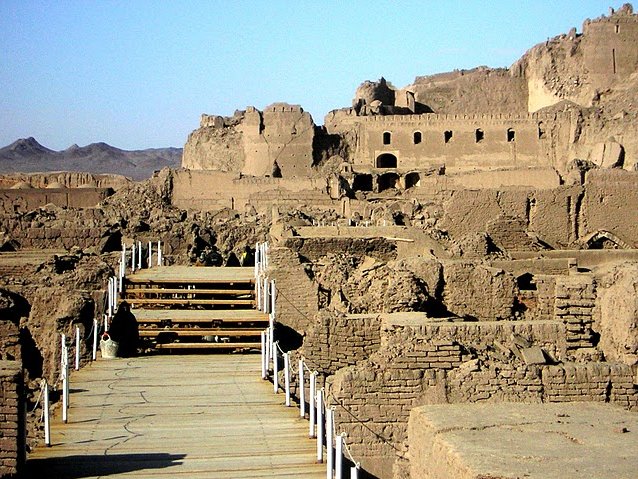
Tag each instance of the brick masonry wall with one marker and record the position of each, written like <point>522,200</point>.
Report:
<point>12,446</point>
<point>335,342</point>
<point>574,306</point>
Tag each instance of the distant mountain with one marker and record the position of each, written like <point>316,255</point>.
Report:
<point>29,156</point>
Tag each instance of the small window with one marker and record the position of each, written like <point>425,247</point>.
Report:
<point>511,135</point>
<point>387,137</point>
<point>617,28</point>
<point>541,130</point>
<point>447,136</point>
<point>417,137</point>
<point>478,133</point>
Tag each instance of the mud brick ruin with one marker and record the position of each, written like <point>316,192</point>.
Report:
<point>462,248</point>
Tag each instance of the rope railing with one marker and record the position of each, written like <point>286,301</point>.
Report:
<point>321,415</point>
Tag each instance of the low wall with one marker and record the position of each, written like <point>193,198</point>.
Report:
<point>14,201</point>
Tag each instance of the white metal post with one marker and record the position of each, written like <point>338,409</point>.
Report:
<point>320,425</point>
<point>268,350</point>
<point>150,254</point>
<point>123,259</point>
<point>339,456</point>
<point>94,339</point>
<point>329,435</point>
<point>159,253</point>
<point>263,355</point>
<point>120,276</point>
<point>110,298</point>
<point>275,366</point>
<point>63,341</point>
<point>139,255</point>
<point>302,391</point>
<point>45,412</point>
<point>266,304</point>
<point>106,323</point>
<point>311,403</point>
<point>258,293</point>
<point>287,377</point>
<point>77,348</point>
<point>65,386</point>
<point>133,257</point>
<point>354,472</point>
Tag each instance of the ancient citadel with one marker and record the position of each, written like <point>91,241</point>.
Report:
<point>470,239</point>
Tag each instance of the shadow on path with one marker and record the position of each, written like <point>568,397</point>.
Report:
<point>76,467</point>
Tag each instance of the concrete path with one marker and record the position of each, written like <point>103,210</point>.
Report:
<point>176,416</point>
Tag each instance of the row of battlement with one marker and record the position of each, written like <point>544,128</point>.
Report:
<point>437,117</point>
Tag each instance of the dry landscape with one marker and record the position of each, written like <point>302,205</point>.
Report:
<point>458,257</point>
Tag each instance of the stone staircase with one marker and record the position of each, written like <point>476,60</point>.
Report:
<point>182,308</point>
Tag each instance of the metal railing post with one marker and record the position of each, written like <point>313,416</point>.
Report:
<point>133,257</point>
<point>339,456</point>
<point>311,403</point>
<point>275,366</point>
<point>320,426</point>
<point>287,377</point>
<point>77,348</point>
<point>94,356</point>
<point>302,391</point>
<point>263,355</point>
<point>45,412</point>
<point>65,386</point>
<point>139,255</point>
<point>329,438</point>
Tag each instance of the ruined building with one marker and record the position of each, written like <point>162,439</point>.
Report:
<point>464,247</point>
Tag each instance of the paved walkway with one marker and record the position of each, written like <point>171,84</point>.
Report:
<point>176,416</point>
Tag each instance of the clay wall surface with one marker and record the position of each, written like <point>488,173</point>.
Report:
<point>275,142</point>
<point>336,342</point>
<point>64,233</point>
<point>610,48</point>
<point>297,300</point>
<point>12,432</point>
<point>609,205</point>
<point>207,190</point>
<point>29,199</point>
<point>587,258</point>
<point>424,361</point>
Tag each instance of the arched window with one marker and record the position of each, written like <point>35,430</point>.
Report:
<point>417,137</point>
<point>447,136</point>
<point>511,135</point>
<point>386,160</point>
<point>541,130</point>
<point>479,134</point>
<point>387,137</point>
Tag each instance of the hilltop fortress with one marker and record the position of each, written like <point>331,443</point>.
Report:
<point>452,257</point>
<point>562,101</point>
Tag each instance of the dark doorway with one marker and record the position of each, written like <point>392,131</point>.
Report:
<point>362,183</point>
<point>387,181</point>
<point>412,179</point>
<point>386,160</point>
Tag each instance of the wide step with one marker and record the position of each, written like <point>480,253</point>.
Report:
<point>190,308</point>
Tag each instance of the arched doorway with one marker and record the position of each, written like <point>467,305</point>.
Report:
<point>387,181</point>
<point>362,182</point>
<point>412,179</point>
<point>386,160</point>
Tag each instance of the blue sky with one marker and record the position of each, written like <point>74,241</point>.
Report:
<point>138,74</point>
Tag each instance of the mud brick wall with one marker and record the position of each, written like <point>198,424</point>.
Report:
<point>336,342</point>
<point>590,382</point>
<point>402,337</point>
<point>297,300</point>
<point>373,405</point>
<point>520,384</point>
<point>574,306</point>
<point>12,445</point>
